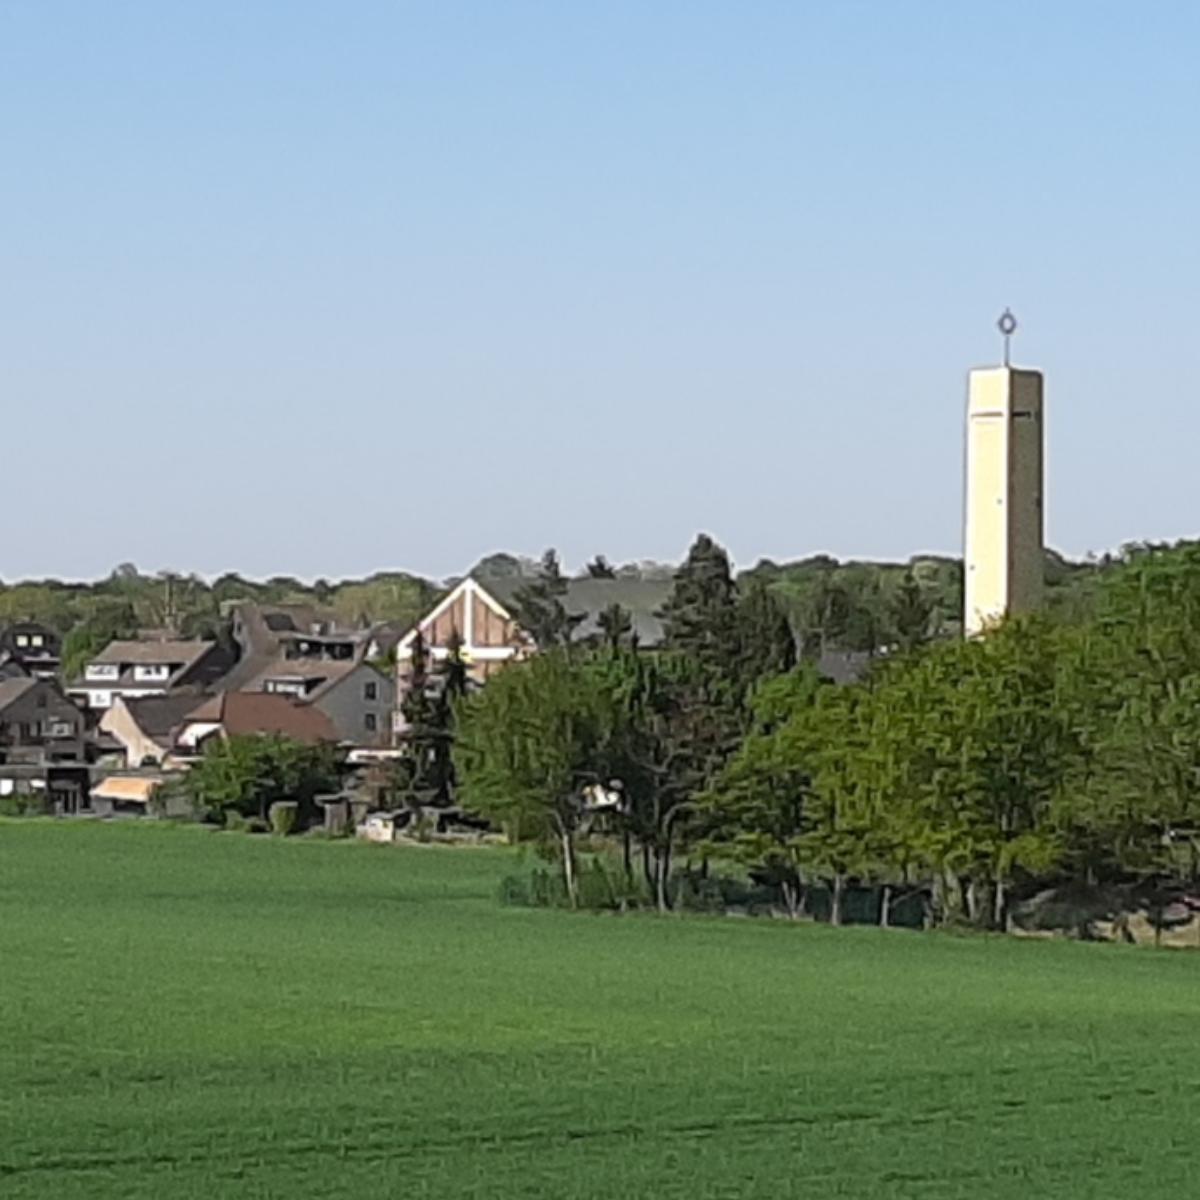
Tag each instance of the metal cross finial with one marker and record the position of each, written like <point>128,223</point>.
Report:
<point>1007,326</point>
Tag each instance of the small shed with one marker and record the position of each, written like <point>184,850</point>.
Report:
<point>124,794</point>
<point>382,826</point>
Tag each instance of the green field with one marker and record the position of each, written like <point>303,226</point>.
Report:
<point>189,1014</point>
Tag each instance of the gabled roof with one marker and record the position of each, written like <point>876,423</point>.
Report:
<point>185,654</point>
<point>264,712</point>
<point>159,716</point>
<point>11,690</point>
<point>587,598</point>
<point>321,674</point>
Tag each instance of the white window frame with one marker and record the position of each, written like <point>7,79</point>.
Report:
<point>151,673</point>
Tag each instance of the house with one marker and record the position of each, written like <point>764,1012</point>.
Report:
<point>42,748</point>
<point>266,632</point>
<point>145,727</point>
<point>356,698</point>
<point>35,648</point>
<point>232,714</point>
<point>148,668</point>
<point>11,667</point>
<point>481,615</point>
<point>38,725</point>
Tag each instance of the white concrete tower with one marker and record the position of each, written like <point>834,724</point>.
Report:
<point>1003,554</point>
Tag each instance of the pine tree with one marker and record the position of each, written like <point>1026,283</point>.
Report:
<point>766,644</point>
<point>700,616</point>
<point>455,681</point>
<point>414,780</point>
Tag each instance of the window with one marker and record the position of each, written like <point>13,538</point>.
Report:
<point>284,687</point>
<point>371,722</point>
<point>22,640</point>
<point>154,673</point>
<point>37,640</point>
<point>370,691</point>
<point>103,671</point>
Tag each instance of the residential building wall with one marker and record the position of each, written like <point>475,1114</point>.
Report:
<point>118,723</point>
<point>40,725</point>
<point>360,706</point>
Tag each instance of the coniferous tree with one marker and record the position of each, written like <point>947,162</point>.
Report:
<point>540,610</point>
<point>700,616</point>
<point>766,644</point>
<point>454,677</point>
<point>909,613</point>
<point>616,627</point>
<point>414,782</point>
<point>600,568</point>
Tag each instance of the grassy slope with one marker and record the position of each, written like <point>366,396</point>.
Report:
<point>193,1014</point>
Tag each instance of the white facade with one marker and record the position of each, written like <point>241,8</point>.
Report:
<point>1004,557</point>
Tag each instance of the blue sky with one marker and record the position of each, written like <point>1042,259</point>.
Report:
<point>326,288</point>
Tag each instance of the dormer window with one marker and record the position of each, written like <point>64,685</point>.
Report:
<point>152,673</point>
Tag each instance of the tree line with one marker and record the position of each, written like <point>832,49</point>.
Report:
<point>1064,747</point>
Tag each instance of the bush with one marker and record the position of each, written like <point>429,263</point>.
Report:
<point>601,886</point>
<point>21,804</point>
<point>515,891</point>
<point>285,815</point>
<point>235,822</point>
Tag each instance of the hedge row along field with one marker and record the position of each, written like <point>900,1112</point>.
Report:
<point>197,1014</point>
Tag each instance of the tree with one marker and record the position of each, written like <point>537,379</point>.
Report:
<point>415,780</point>
<point>616,627</point>
<point>107,621</point>
<point>758,806</point>
<point>666,735</point>
<point>765,643</point>
<point>539,606</point>
<point>528,744</point>
<point>909,613</point>
<point>700,616</point>
<point>425,774</point>
<point>600,568</point>
<point>247,773</point>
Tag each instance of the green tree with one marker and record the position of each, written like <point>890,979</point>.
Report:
<point>247,773</point>
<point>765,642</point>
<point>527,745</point>
<point>540,610</point>
<point>700,616</point>
<point>107,621</point>
<point>616,627</point>
<point>909,614</point>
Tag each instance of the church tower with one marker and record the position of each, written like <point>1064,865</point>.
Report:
<point>1003,556</point>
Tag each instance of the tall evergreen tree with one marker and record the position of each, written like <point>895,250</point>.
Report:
<point>616,627</point>
<point>700,616</point>
<point>766,644</point>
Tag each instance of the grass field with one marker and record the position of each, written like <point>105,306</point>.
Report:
<point>192,1014</point>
